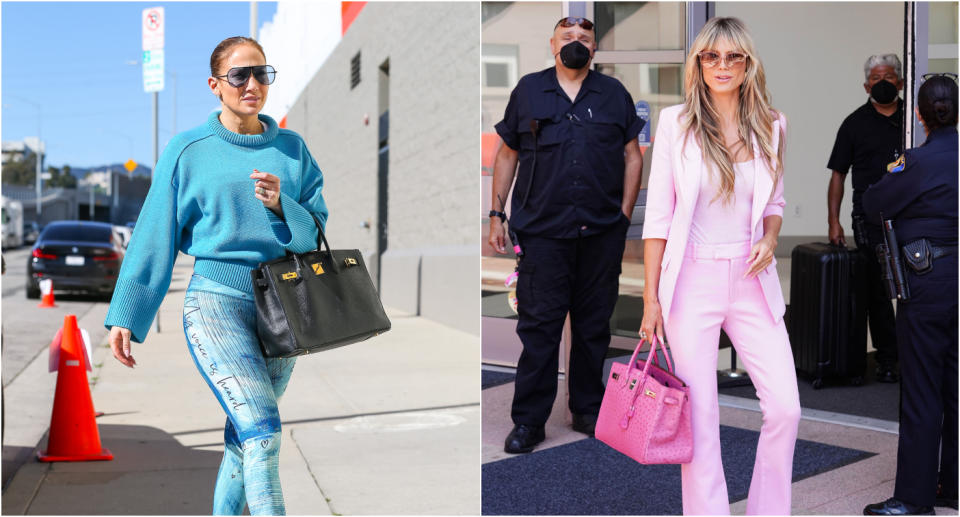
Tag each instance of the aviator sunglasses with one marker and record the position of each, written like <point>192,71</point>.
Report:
<point>710,58</point>
<point>239,75</point>
<point>570,21</point>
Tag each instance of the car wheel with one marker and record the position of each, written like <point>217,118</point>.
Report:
<point>33,292</point>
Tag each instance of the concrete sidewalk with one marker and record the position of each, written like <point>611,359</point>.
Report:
<point>379,427</point>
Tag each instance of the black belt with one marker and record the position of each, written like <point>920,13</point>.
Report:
<point>942,251</point>
<point>920,254</point>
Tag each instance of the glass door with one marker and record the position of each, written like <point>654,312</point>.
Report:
<point>642,44</point>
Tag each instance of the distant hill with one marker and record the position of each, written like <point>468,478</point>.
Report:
<point>81,172</point>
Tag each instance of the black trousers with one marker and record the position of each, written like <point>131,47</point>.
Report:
<point>880,314</point>
<point>927,333</point>
<point>579,276</point>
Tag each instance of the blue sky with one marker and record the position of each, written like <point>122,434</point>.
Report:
<point>72,59</point>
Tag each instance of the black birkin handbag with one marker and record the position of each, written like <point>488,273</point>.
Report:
<point>315,301</point>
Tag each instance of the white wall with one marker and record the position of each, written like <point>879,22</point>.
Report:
<point>433,51</point>
<point>813,54</point>
<point>297,41</point>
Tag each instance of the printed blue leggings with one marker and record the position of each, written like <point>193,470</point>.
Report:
<point>220,324</point>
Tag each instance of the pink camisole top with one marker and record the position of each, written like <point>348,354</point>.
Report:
<point>716,222</point>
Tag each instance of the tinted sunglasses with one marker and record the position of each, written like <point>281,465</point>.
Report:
<point>570,21</point>
<point>239,75</point>
<point>710,59</point>
<point>953,76</point>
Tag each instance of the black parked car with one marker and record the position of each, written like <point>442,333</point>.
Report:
<point>77,256</point>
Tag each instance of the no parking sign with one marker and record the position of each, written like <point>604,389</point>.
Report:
<point>153,28</point>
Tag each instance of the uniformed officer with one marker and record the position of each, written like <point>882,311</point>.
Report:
<point>573,132</point>
<point>867,141</point>
<point>920,195</point>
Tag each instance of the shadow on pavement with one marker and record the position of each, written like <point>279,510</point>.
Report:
<point>151,474</point>
<point>13,457</point>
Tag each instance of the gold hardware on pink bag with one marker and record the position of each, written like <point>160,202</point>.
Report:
<point>655,428</point>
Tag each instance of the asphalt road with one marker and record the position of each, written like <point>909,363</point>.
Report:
<point>28,329</point>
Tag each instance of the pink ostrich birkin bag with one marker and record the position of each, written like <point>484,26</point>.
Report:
<point>645,412</point>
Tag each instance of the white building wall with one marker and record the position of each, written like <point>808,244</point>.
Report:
<point>297,41</point>
<point>434,54</point>
<point>813,54</point>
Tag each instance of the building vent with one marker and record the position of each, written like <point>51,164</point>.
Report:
<point>355,71</point>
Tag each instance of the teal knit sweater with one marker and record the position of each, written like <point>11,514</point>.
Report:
<point>201,202</point>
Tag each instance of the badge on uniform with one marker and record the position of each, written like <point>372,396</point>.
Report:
<point>897,166</point>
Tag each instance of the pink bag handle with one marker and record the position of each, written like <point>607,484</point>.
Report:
<point>652,358</point>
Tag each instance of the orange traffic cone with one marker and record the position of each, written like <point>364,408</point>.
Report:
<point>73,431</point>
<point>46,286</point>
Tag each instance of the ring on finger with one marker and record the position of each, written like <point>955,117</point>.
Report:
<point>262,191</point>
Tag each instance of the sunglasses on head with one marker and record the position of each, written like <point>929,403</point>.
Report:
<point>924,77</point>
<point>710,58</point>
<point>570,21</point>
<point>239,75</point>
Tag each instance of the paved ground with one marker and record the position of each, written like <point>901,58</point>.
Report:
<point>388,426</point>
<point>379,427</point>
<point>842,491</point>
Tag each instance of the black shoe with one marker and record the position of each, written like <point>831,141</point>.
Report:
<point>894,506</point>
<point>887,373</point>
<point>585,424</point>
<point>523,438</point>
<point>947,500</point>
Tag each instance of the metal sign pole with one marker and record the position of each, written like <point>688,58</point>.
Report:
<point>39,179</point>
<point>153,75</point>
<point>39,161</point>
<point>156,154</point>
<point>253,20</point>
<point>173,129</point>
<point>156,157</point>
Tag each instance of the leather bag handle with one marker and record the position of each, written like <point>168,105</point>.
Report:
<point>654,341</point>
<point>641,381</point>
<point>321,238</point>
<point>321,243</point>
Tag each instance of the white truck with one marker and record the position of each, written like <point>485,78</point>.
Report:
<point>12,223</point>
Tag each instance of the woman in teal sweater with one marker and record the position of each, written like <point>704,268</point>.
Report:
<point>232,193</point>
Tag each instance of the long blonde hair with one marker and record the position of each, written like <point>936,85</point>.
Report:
<point>755,116</point>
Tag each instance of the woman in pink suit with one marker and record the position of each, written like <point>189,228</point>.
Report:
<point>714,210</point>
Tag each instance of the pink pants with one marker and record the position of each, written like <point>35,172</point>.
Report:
<point>711,294</point>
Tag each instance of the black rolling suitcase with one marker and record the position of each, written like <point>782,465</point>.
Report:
<point>828,313</point>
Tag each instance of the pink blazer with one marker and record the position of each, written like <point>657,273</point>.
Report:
<point>672,196</point>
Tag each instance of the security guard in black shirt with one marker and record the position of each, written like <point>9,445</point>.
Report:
<point>867,141</point>
<point>574,133</point>
<point>920,195</point>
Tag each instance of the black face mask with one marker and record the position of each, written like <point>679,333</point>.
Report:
<point>574,55</point>
<point>883,92</point>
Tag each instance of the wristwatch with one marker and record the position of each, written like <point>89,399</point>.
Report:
<point>495,213</point>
